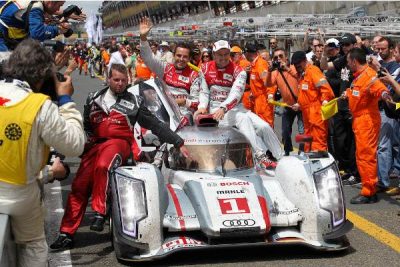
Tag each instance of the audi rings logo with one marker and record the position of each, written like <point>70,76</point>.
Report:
<point>239,222</point>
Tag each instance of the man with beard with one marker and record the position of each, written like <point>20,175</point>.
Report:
<point>389,127</point>
<point>178,76</point>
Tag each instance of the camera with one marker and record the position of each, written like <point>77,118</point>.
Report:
<point>381,72</point>
<point>276,65</point>
<point>49,86</point>
<point>71,9</point>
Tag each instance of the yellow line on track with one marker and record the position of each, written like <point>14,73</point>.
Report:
<point>374,230</point>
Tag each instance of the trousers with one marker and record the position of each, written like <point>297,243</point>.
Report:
<point>92,178</point>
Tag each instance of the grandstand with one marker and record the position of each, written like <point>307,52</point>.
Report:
<point>244,20</point>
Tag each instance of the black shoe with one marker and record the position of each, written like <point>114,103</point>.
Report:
<point>98,223</point>
<point>360,199</point>
<point>352,180</point>
<point>64,241</point>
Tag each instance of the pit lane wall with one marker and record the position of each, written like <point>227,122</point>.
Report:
<point>8,254</point>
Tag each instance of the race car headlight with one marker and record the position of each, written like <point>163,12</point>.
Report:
<point>132,203</point>
<point>330,193</point>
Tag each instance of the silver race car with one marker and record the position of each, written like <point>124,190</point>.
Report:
<point>218,197</point>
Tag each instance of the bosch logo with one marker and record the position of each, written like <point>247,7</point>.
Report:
<point>238,223</point>
<point>233,183</point>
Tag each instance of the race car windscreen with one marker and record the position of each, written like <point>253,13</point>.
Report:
<point>153,103</point>
<point>211,158</point>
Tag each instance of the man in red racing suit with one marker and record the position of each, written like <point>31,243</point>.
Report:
<point>179,77</point>
<point>109,117</point>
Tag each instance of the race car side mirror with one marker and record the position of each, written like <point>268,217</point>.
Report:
<point>206,120</point>
<point>301,139</point>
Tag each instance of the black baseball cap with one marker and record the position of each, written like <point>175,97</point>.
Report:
<point>298,57</point>
<point>348,38</point>
<point>250,48</point>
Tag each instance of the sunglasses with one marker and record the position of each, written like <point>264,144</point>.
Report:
<point>278,56</point>
<point>346,44</point>
<point>206,56</point>
<point>272,42</point>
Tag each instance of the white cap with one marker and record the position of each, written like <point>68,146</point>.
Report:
<point>333,41</point>
<point>164,43</point>
<point>221,44</point>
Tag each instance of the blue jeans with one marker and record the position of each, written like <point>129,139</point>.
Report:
<point>387,139</point>
<point>288,117</point>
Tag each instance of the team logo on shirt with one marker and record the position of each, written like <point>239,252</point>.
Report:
<point>183,78</point>
<point>127,104</point>
<point>228,77</point>
<point>304,86</point>
<point>355,93</point>
<point>13,132</point>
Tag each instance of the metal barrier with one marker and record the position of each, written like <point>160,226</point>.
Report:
<point>8,254</point>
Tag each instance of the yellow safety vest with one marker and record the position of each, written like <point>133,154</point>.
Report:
<point>15,130</point>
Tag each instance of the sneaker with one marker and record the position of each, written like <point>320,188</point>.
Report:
<point>360,199</point>
<point>64,241</point>
<point>393,191</point>
<point>266,163</point>
<point>98,223</point>
<point>352,180</point>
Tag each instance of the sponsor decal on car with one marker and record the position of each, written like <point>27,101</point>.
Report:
<point>234,205</point>
<point>212,184</point>
<point>229,192</point>
<point>234,183</point>
<point>182,242</point>
<point>239,223</point>
<point>184,217</point>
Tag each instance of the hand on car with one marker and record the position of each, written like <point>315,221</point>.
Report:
<point>184,151</point>
<point>200,111</point>
<point>219,114</point>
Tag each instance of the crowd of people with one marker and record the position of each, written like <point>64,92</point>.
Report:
<point>238,86</point>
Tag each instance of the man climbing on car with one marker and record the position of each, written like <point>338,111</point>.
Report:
<point>109,117</point>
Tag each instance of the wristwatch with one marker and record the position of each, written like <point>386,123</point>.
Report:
<point>223,108</point>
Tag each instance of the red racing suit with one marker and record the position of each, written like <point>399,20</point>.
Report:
<point>110,136</point>
<point>181,83</point>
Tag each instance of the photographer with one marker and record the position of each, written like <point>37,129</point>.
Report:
<point>22,19</point>
<point>29,123</point>
<point>282,77</point>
